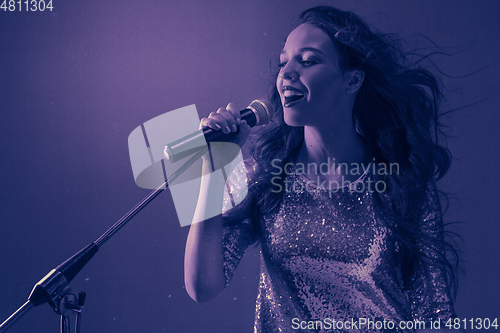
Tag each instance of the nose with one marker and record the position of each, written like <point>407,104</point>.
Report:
<point>289,72</point>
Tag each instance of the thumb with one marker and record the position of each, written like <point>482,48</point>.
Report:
<point>244,129</point>
<point>244,132</point>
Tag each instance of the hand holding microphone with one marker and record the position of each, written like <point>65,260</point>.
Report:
<point>236,131</point>
<point>228,120</point>
<point>225,125</point>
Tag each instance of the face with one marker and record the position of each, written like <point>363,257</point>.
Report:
<point>311,83</point>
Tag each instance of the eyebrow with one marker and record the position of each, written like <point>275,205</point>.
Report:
<point>304,49</point>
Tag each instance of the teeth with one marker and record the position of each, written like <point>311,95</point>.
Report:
<point>289,93</point>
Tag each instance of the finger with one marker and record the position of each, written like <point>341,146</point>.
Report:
<point>221,118</point>
<point>231,121</point>
<point>209,123</point>
<point>231,107</point>
<point>245,128</point>
<point>244,132</point>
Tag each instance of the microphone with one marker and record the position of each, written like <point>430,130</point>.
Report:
<point>256,114</point>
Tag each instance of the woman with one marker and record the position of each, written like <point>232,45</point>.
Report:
<point>336,253</point>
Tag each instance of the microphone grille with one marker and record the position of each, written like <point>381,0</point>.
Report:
<point>263,110</point>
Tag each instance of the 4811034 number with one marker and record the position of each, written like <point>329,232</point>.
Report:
<point>26,5</point>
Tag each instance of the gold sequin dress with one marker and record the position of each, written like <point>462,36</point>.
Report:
<point>327,263</point>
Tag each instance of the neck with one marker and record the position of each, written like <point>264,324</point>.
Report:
<point>343,145</point>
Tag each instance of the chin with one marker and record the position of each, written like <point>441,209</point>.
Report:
<point>290,120</point>
<point>293,118</point>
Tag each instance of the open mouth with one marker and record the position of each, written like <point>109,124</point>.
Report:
<point>292,97</point>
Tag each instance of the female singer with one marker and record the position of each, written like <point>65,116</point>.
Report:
<point>341,190</point>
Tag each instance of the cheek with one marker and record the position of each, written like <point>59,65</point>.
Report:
<point>325,84</point>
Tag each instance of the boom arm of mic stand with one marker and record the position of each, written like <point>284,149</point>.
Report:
<point>54,286</point>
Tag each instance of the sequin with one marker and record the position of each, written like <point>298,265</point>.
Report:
<point>326,255</point>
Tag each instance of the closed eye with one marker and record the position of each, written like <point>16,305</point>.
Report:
<point>305,63</point>
<point>309,62</point>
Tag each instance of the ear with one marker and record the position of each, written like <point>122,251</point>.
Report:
<point>356,79</point>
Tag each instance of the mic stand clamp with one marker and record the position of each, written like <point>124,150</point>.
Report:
<point>54,289</point>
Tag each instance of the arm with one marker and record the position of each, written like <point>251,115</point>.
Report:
<point>204,272</point>
<point>431,299</point>
<point>203,263</point>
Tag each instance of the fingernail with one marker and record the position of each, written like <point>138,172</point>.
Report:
<point>217,126</point>
<point>234,128</point>
<point>238,121</point>
<point>227,129</point>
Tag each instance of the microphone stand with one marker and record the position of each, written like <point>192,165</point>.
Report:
<point>54,289</point>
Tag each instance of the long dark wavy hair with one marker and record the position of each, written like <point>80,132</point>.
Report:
<point>396,112</point>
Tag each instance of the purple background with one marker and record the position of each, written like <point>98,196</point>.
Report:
<point>76,81</point>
